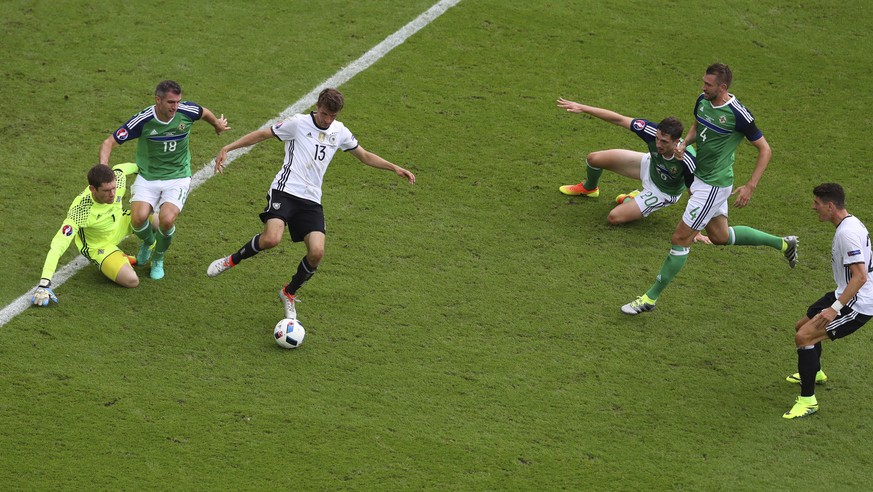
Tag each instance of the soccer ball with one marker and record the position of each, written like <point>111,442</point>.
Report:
<point>289,333</point>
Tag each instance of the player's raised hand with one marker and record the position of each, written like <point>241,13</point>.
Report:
<point>221,125</point>
<point>572,107</point>
<point>43,294</point>
<point>679,151</point>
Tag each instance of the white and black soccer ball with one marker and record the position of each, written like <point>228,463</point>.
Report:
<point>289,333</point>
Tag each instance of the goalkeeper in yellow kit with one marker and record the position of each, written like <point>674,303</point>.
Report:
<point>98,222</point>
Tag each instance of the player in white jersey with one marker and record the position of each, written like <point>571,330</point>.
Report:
<point>838,313</point>
<point>294,198</point>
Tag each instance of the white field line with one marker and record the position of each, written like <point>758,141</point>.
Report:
<point>366,60</point>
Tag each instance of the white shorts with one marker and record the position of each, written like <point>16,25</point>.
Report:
<point>157,193</point>
<point>651,198</point>
<point>706,203</point>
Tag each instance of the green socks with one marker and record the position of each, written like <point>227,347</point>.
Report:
<point>669,269</point>
<point>746,236</point>
<point>164,240</point>
<point>592,176</point>
<point>146,233</point>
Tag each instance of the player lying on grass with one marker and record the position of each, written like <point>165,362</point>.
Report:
<point>98,222</point>
<point>664,177</point>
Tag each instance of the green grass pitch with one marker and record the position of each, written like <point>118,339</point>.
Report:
<point>463,333</point>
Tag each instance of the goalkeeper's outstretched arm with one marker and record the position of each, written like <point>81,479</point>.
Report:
<point>60,243</point>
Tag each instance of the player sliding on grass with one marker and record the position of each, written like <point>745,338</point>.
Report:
<point>294,197</point>
<point>721,124</point>
<point>663,175</point>
<point>838,313</point>
<point>98,222</point>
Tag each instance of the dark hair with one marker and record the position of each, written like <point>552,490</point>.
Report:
<point>831,192</point>
<point>167,86</point>
<point>331,100</point>
<point>722,73</point>
<point>100,174</point>
<point>671,126</point>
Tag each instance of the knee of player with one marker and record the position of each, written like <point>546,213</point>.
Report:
<point>268,241</point>
<point>616,219</point>
<point>315,256</point>
<point>594,159</point>
<point>167,223</point>
<point>800,323</point>
<point>803,338</point>
<point>129,282</point>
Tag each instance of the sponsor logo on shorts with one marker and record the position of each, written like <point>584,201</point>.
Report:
<point>276,206</point>
<point>639,124</point>
<point>122,134</point>
<point>67,230</point>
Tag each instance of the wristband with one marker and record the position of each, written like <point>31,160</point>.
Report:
<point>837,306</point>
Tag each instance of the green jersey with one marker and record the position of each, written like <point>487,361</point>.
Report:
<point>92,224</point>
<point>162,149</point>
<point>720,129</point>
<point>668,173</point>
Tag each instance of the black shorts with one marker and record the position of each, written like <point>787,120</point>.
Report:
<point>847,321</point>
<point>301,216</point>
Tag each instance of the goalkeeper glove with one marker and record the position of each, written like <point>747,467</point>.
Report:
<point>43,293</point>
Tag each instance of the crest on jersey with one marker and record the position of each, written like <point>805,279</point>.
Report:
<point>639,124</point>
<point>182,126</point>
<point>67,230</point>
<point>333,138</point>
<point>722,119</point>
<point>321,136</point>
<point>122,134</point>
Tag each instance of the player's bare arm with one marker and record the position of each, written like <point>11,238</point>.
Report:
<point>220,123</point>
<point>244,141</point>
<point>106,149</point>
<point>374,160</point>
<point>688,140</point>
<point>744,192</point>
<point>603,114</point>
